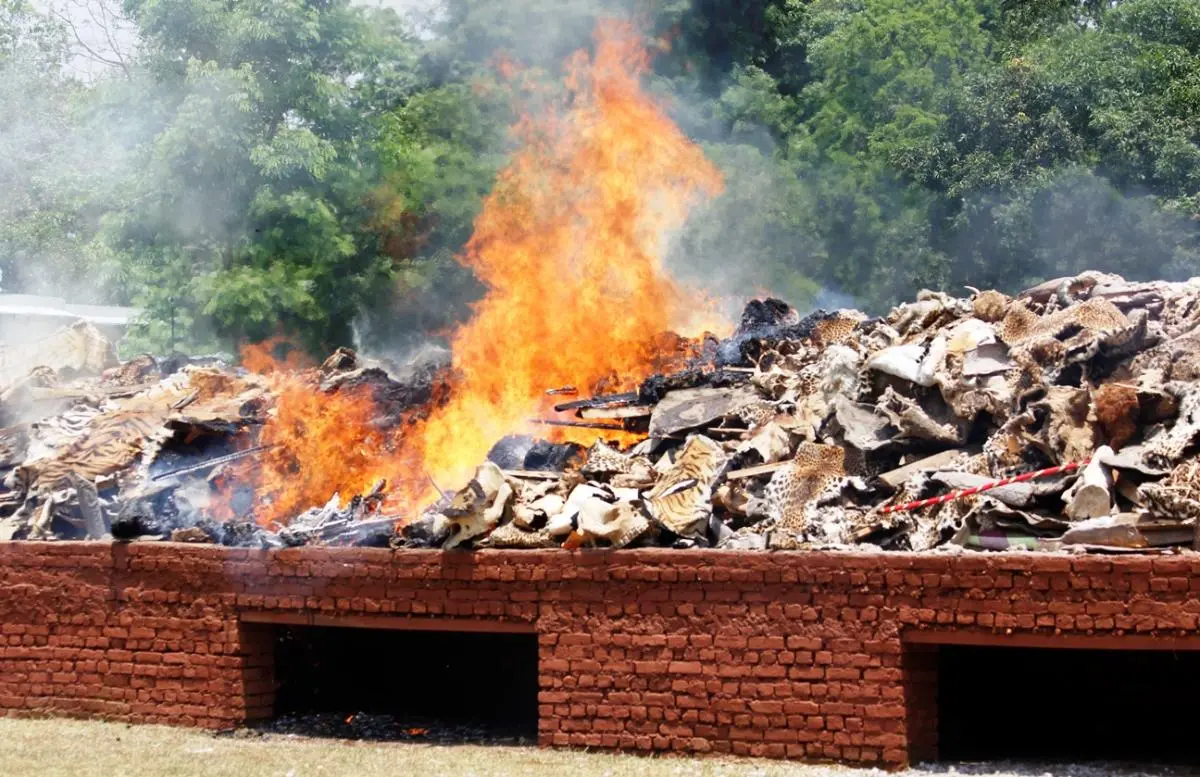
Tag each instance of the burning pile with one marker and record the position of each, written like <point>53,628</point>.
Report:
<point>835,429</point>
<point>822,430</point>
<point>797,431</point>
<point>181,448</point>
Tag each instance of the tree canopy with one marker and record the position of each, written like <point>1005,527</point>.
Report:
<point>312,167</point>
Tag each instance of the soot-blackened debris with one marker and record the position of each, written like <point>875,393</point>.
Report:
<point>136,523</point>
<point>509,452</point>
<point>653,389</point>
<point>760,314</point>
<point>395,399</point>
<point>545,456</point>
<point>431,530</point>
<point>524,452</point>
<point>763,325</point>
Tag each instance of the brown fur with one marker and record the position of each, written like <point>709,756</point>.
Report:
<point>798,485</point>
<point>1116,407</point>
<point>834,330</point>
<point>990,306</point>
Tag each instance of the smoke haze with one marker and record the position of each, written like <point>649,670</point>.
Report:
<point>800,217</point>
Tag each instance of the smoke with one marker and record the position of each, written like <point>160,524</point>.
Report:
<point>787,224</point>
<point>403,358</point>
<point>742,243</point>
<point>64,163</point>
<point>66,148</point>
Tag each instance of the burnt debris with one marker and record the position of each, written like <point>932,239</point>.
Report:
<point>916,430</point>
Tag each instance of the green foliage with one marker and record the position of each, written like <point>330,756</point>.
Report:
<point>35,220</point>
<point>1079,152</point>
<point>254,205</point>
<point>291,165</point>
<point>441,150</point>
<point>883,67</point>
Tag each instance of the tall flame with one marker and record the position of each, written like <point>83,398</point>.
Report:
<point>570,246</point>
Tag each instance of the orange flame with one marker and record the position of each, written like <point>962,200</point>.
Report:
<point>570,245</point>
<point>264,357</point>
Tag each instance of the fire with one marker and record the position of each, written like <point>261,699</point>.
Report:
<point>570,246</point>
<point>323,444</point>
<point>263,357</point>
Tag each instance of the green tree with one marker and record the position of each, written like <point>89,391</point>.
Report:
<point>255,208</point>
<point>882,72</point>
<point>1078,151</point>
<point>439,152</point>
<point>45,225</point>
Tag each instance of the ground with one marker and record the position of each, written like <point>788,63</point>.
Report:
<point>58,748</point>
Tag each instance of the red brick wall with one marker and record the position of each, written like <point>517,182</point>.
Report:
<point>819,656</point>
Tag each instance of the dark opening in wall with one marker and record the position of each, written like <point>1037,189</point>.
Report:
<point>401,684</point>
<point>1066,704</point>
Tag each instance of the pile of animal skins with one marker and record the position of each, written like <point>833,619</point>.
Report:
<point>798,431</point>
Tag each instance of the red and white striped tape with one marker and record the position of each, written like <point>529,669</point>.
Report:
<point>950,497</point>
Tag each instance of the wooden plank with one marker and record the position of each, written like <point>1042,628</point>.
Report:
<point>624,411</point>
<point>750,472</point>
<point>579,424</point>
<point>609,400</point>
<point>189,399</point>
<point>896,477</point>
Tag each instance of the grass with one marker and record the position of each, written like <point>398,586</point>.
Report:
<point>67,748</point>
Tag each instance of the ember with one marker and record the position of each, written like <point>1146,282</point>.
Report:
<point>1042,421</point>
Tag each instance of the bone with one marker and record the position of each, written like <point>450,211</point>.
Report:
<point>1091,497</point>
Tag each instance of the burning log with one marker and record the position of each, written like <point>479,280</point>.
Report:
<point>611,400</point>
<point>579,424</point>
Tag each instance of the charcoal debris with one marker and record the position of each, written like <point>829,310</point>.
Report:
<point>138,450</point>
<point>821,430</point>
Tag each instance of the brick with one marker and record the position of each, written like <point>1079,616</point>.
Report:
<point>793,655</point>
